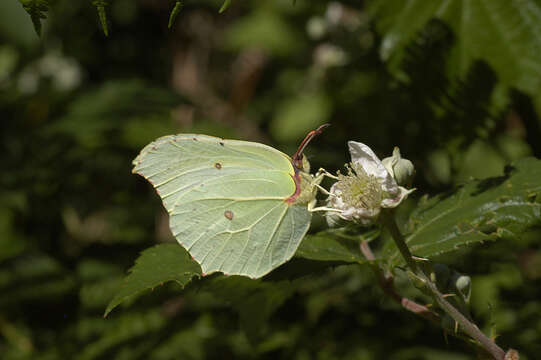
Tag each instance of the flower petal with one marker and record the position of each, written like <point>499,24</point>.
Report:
<point>362,155</point>
<point>360,215</point>
<point>335,199</point>
<point>396,200</point>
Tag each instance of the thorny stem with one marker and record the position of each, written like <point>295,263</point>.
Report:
<point>467,326</point>
<point>386,284</point>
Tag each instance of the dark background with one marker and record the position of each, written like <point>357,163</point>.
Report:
<point>76,107</point>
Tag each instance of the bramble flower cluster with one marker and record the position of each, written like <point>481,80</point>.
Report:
<point>369,186</point>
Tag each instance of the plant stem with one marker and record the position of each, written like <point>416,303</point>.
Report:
<point>386,283</point>
<point>388,220</point>
<point>467,326</point>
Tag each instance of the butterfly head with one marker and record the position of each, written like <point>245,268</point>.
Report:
<point>302,164</point>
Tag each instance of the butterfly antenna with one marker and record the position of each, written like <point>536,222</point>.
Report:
<point>297,157</point>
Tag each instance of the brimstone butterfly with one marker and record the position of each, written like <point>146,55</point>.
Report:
<point>238,207</point>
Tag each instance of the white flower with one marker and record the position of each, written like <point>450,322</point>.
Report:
<point>368,187</point>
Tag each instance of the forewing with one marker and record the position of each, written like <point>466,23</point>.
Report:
<point>226,201</point>
<point>178,163</point>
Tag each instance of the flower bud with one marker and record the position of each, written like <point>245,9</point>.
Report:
<point>401,169</point>
<point>463,285</point>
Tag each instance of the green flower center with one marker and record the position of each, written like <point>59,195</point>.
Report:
<point>358,189</point>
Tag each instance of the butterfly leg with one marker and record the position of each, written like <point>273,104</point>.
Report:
<point>323,190</point>
<point>324,208</point>
<point>312,208</point>
<point>323,172</point>
<point>316,180</point>
<point>319,176</point>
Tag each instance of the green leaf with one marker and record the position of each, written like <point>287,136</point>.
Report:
<point>156,266</point>
<point>100,6</point>
<point>98,280</point>
<point>174,13</point>
<point>481,210</point>
<point>225,5</point>
<point>36,9</point>
<point>334,245</point>
<point>503,33</point>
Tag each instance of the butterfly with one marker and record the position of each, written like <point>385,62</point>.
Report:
<point>238,207</point>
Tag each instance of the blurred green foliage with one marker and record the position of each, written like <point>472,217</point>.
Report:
<point>460,99</point>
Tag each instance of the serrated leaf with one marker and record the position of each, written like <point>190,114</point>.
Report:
<point>334,245</point>
<point>100,6</point>
<point>225,5</point>
<point>156,266</point>
<point>481,210</point>
<point>174,13</point>
<point>98,280</point>
<point>503,33</point>
<point>36,9</point>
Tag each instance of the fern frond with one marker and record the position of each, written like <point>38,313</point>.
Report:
<point>469,105</point>
<point>225,5</point>
<point>36,9</point>
<point>100,6</point>
<point>174,13</point>
<point>454,110</point>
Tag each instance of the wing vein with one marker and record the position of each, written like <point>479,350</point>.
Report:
<point>278,223</point>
